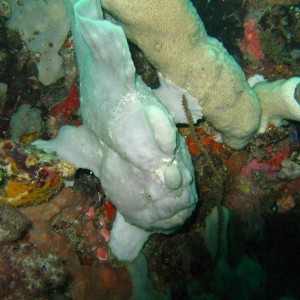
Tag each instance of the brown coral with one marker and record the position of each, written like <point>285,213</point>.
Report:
<point>285,204</point>
<point>12,224</point>
<point>27,274</point>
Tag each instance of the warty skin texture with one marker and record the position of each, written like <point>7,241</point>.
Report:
<point>128,138</point>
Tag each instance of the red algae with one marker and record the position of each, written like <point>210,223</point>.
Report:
<point>108,210</point>
<point>251,45</point>
<point>68,107</point>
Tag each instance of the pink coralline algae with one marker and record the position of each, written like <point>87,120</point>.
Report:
<point>269,170</point>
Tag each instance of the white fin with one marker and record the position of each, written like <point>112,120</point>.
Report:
<point>126,240</point>
<point>85,150</point>
<point>253,80</point>
<point>171,96</point>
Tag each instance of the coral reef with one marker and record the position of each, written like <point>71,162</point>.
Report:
<point>59,248</point>
<point>65,226</point>
<point>27,274</point>
<point>12,224</point>
<point>29,176</point>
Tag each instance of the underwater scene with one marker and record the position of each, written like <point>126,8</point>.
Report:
<point>150,149</point>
